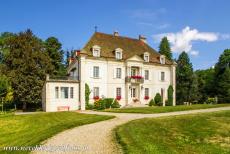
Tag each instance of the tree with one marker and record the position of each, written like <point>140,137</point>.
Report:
<point>6,92</point>
<point>184,78</point>
<point>222,77</point>
<point>224,87</point>
<point>26,67</point>
<point>170,95</point>
<point>54,49</point>
<point>164,48</point>
<point>206,84</point>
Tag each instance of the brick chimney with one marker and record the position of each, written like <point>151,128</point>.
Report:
<point>115,33</point>
<point>142,38</point>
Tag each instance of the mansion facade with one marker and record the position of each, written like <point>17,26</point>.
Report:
<point>113,66</point>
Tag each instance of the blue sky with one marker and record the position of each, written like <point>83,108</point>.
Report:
<point>201,27</point>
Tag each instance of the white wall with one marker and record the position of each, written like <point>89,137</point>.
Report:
<point>107,82</point>
<point>52,103</point>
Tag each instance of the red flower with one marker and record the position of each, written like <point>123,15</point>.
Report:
<point>118,98</point>
<point>146,97</point>
<point>96,97</point>
<point>136,77</point>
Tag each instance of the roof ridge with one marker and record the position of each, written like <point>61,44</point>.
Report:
<point>118,36</point>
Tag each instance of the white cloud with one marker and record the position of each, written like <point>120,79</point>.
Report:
<point>194,53</point>
<point>163,26</point>
<point>182,41</point>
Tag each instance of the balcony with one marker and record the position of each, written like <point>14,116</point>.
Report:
<point>134,79</point>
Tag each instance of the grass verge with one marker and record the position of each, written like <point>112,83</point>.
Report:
<point>190,134</point>
<point>31,130</point>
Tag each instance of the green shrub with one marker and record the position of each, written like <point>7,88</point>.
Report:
<point>211,100</point>
<point>108,102</point>
<point>115,104</point>
<point>151,102</point>
<point>157,100</point>
<point>170,96</point>
<point>99,105</point>
<point>167,103</point>
<point>87,93</point>
<point>89,106</point>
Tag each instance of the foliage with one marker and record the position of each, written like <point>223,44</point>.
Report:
<point>184,79</point>
<point>158,99</point>
<point>87,93</point>
<point>164,48</point>
<point>3,47</point>
<point>6,91</point>
<point>170,96</point>
<point>206,84</point>
<point>99,104</point>
<point>222,77</point>
<point>115,104</point>
<point>26,67</point>
<point>223,86</point>
<point>151,102</point>
<point>33,129</point>
<point>108,102</point>
<point>53,49</point>
<point>210,100</point>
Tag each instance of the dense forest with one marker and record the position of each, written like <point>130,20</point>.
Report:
<point>25,59</point>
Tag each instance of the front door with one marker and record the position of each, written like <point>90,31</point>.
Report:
<point>133,93</point>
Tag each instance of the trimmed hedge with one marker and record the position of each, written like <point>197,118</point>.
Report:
<point>106,103</point>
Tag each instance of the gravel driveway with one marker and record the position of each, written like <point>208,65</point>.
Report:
<point>98,137</point>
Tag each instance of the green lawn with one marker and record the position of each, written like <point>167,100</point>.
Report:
<point>191,134</point>
<point>30,130</point>
<point>160,109</point>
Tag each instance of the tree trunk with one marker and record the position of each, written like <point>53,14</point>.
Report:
<point>24,106</point>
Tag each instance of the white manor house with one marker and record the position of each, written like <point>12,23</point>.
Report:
<point>113,66</point>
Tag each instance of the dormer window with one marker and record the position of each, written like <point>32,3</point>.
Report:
<point>146,57</point>
<point>162,59</point>
<point>118,53</point>
<point>96,51</point>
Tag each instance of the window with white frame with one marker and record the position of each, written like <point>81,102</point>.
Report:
<point>162,76</point>
<point>95,91</point>
<point>146,74</point>
<point>118,73</point>
<point>146,91</point>
<point>146,57</point>
<point>96,51</point>
<point>118,92</point>
<point>56,92</point>
<point>71,92</point>
<point>96,72</point>
<point>162,59</point>
<point>64,92</point>
<point>118,53</point>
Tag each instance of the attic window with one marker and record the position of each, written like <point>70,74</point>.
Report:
<point>146,57</point>
<point>162,59</point>
<point>96,51</point>
<point>118,53</point>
